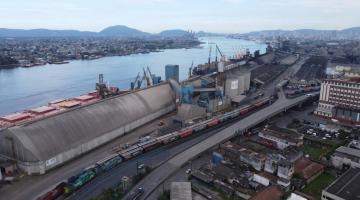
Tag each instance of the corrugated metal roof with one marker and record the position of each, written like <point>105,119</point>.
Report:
<point>349,151</point>
<point>58,133</point>
<point>181,191</point>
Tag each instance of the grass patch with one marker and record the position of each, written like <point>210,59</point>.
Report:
<point>315,152</point>
<point>316,186</point>
<point>254,146</point>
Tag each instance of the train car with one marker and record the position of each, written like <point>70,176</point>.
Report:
<point>55,193</point>
<point>185,133</point>
<point>262,102</point>
<point>132,153</point>
<point>225,117</point>
<point>109,162</point>
<point>150,144</point>
<point>235,113</point>
<point>130,148</point>
<point>165,139</point>
<point>199,127</point>
<point>244,109</point>
<point>212,122</point>
<point>85,177</point>
<point>77,181</point>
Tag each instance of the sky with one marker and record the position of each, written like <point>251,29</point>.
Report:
<point>221,16</point>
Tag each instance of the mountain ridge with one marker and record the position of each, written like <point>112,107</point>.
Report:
<point>111,31</point>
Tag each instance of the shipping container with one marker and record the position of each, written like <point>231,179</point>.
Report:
<point>185,133</point>
<point>199,127</point>
<point>150,144</point>
<point>109,162</point>
<point>168,137</point>
<point>212,122</point>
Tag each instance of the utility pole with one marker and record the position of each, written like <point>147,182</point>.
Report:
<point>137,167</point>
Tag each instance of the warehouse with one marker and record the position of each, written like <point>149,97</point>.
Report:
<point>40,145</point>
<point>345,187</point>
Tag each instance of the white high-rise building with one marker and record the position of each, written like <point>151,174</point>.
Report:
<point>340,99</point>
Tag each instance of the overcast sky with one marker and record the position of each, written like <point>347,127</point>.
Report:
<point>231,16</point>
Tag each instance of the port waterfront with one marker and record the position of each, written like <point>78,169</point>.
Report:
<point>24,88</point>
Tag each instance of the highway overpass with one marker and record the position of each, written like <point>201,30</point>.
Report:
<point>160,174</point>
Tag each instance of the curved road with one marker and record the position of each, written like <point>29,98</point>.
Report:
<point>152,158</point>
<point>160,174</point>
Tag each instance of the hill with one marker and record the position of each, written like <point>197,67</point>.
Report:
<point>4,32</point>
<point>122,31</point>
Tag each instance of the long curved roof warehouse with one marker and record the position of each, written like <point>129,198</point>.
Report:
<point>43,144</point>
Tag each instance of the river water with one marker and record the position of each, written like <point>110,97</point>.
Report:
<point>24,88</point>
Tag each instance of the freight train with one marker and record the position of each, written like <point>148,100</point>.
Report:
<point>75,182</point>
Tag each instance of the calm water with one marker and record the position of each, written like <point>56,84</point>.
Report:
<point>24,88</point>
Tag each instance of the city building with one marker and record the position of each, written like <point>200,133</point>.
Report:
<point>345,157</point>
<point>271,163</point>
<point>340,100</point>
<point>256,160</point>
<point>308,170</point>
<point>285,169</point>
<point>280,138</point>
<point>346,187</point>
<point>172,71</point>
<point>180,191</point>
<point>348,70</point>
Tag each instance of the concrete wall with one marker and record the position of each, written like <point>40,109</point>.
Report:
<point>236,84</point>
<point>43,166</point>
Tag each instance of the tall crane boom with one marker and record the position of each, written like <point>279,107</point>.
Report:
<point>209,61</point>
<point>218,49</point>
<point>150,76</point>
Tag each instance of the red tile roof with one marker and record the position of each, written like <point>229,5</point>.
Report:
<point>307,168</point>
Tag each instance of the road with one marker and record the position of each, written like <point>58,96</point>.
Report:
<point>153,159</point>
<point>268,88</point>
<point>160,174</point>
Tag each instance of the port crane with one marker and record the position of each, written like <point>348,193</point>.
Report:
<point>137,83</point>
<point>148,77</point>
<point>222,56</point>
<point>190,69</point>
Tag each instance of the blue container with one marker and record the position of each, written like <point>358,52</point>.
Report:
<point>187,93</point>
<point>216,158</point>
<point>156,79</point>
<point>172,71</point>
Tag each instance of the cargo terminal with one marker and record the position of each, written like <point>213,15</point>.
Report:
<point>43,138</point>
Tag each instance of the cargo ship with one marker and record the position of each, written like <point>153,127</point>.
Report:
<point>53,107</point>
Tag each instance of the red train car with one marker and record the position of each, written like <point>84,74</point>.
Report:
<point>244,110</point>
<point>55,193</point>
<point>185,133</point>
<point>212,123</point>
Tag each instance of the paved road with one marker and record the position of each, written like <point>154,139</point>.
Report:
<point>268,88</point>
<point>153,158</point>
<point>160,174</point>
